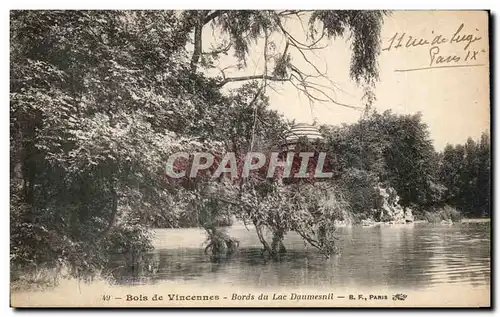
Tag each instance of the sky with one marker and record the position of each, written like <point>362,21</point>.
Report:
<point>454,101</point>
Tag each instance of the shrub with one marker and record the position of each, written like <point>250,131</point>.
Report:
<point>445,213</point>
<point>431,217</point>
<point>448,212</point>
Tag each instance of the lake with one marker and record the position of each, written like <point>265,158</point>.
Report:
<point>430,265</point>
<point>415,256</point>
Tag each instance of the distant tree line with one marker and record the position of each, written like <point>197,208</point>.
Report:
<point>465,171</point>
<point>398,150</point>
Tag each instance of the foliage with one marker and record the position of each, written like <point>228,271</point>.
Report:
<point>93,119</point>
<point>446,213</point>
<point>465,170</point>
<point>396,149</point>
<point>358,188</point>
<point>365,27</point>
<point>310,210</point>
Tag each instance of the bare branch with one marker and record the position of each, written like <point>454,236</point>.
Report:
<point>252,77</point>
<point>308,61</point>
<point>222,70</point>
<point>304,86</point>
<point>311,46</point>
<point>313,243</point>
<point>223,49</point>
<point>291,12</point>
<point>203,17</point>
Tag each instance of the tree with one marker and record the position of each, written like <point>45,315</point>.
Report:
<point>465,171</point>
<point>390,148</point>
<point>240,29</point>
<point>89,111</point>
<point>310,210</point>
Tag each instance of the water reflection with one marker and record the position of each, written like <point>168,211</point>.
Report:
<point>421,255</point>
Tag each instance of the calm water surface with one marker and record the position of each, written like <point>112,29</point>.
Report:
<point>415,256</point>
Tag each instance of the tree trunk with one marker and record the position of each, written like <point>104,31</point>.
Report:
<point>277,244</point>
<point>197,43</point>
<point>258,229</point>
<point>114,209</point>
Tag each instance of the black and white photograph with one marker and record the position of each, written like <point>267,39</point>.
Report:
<point>250,158</point>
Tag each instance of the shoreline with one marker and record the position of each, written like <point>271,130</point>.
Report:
<point>239,223</point>
<point>469,220</point>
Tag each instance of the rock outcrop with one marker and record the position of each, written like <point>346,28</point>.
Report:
<point>388,208</point>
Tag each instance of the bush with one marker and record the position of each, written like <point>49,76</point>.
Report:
<point>445,213</point>
<point>431,217</point>
<point>41,246</point>
<point>449,212</point>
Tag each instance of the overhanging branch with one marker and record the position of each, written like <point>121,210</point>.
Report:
<point>251,77</point>
<point>213,15</point>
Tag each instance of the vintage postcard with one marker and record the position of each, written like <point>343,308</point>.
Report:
<point>228,158</point>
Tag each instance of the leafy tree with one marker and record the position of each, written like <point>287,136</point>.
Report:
<point>93,119</point>
<point>465,171</point>
<point>390,148</point>
<point>310,210</point>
